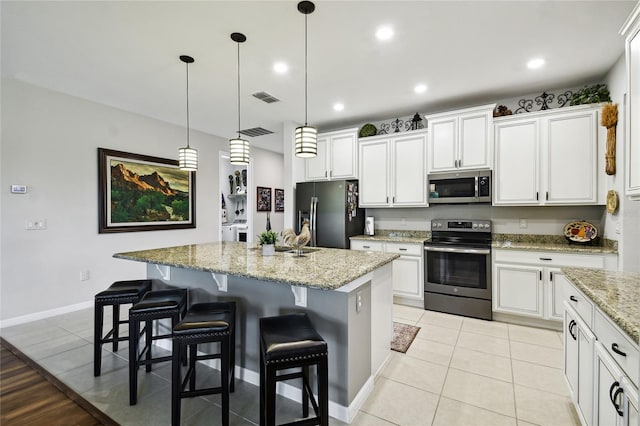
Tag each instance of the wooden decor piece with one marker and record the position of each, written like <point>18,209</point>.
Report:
<point>610,120</point>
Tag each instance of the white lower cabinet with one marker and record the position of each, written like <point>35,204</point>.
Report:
<point>579,344</point>
<point>408,269</point>
<point>616,399</point>
<point>531,283</point>
<point>518,289</point>
<point>602,381</point>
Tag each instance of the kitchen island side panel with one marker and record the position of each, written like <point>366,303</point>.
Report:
<point>348,334</point>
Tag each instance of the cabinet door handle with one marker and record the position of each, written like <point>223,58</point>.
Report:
<point>550,276</point>
<point>540,275</point>
<point>547,197</point>
<point>402,249</point>
<point>537,196</point>
<point>387,199</point>
<point>366,246</point>
<point>614,397</point>
<point>330,173</point>
<point>573,298</point>
<point>547,259</point>
<point>572,324</point>
<point>325,173</point>
<point>614,347</point>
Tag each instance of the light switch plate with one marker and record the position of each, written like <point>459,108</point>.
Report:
<point>18,189</point>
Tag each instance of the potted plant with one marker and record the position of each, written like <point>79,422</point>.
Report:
<point>268,242</point>
<point>591,95</point>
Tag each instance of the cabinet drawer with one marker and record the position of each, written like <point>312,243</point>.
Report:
<point>366,245</point>
<point>610,335</point>
<point>581,303</point>
<point>550,258</point>
<point>406,249</point>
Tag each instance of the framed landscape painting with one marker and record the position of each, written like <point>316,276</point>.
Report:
<point>143,193</point>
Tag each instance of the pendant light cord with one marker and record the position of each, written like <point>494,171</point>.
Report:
<point>187,104</point>
<point>305,69</point>
<point>238,90</point>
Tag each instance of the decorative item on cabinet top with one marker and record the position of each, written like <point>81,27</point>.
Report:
<point>367,130</point>
<point>612,201</point>
<point>501,111</point>
<point>609,120</point>
<point>580,232</point>
<point>399,125</point>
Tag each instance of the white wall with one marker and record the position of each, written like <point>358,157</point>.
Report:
<point>271,177</point>
<point>505,220</point>
<point>627,218</point>
<point>49,143</point>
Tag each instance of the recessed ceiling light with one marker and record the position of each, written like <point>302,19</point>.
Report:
<point>420,88</point>
<point>535,63</point>
<point>280,67</point>
<point>338,106</point>
<point>384,33</point>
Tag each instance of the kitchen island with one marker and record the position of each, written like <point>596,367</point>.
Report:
<point>347,294</point>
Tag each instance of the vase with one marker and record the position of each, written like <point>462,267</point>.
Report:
<point>268,249</point>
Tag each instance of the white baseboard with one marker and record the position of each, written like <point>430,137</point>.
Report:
<point>45,314</point>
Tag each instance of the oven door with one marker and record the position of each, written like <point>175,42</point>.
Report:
<point>458,271</point>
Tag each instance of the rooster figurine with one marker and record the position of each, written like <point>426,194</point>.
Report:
<point>298,241</point>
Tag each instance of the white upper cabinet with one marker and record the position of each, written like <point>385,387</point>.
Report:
<point>337,156</point>
<point>548,157</point>
<point>461,140</point>
<point>631,30</point>
<point>393,170</point>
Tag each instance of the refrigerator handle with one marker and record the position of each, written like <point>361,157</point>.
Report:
<point>313,220</point>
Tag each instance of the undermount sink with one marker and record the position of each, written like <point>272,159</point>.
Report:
<point>287,249</point>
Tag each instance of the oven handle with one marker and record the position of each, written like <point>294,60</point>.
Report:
<point>457,250</point>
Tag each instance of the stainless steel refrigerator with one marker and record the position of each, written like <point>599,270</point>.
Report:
<point>332,211</point>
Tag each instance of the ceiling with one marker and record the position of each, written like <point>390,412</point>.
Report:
<point>125,54</point>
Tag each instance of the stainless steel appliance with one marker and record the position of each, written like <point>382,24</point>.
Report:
<point>460,187</point>
<point>331,208</point>
<point>457,268</point>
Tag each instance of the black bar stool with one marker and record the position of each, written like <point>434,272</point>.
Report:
<point>155,305</point>
<point>204,323</point>
<point>118,293</point>
<point>290,341</point>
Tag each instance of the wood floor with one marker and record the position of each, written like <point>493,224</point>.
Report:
<point>28,398</point>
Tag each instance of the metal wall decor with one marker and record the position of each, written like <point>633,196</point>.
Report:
<point>400,125</point>
<point>545,101</point>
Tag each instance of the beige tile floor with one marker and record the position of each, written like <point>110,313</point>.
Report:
<point>464,371</point>
<point>458,371</point>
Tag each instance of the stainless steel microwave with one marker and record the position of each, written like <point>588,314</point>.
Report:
<point>460,187</point>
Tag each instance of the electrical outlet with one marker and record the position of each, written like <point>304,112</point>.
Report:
<point>523,223</point>
<point>358,301</point>
<point>84,275</point>
<point>403,221</point>
<point>36,224</point>
<point>618,228</point>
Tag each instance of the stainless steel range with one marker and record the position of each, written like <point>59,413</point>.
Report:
<point>457,268</point>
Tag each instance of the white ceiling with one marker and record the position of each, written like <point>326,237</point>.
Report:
<point>125,54</point>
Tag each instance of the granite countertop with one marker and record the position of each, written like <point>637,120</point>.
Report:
<point>325,269</point>
<point>616,293</point>
<point>557,243</point>
<point>396,236</point>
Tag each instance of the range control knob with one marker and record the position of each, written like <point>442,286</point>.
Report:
<point>486,226</point>
<point>475,226</point>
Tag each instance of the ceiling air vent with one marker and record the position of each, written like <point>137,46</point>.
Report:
<point>255,131</point>
<point>266,97</point>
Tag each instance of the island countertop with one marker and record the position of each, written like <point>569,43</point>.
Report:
<point>324,269</point>
<point>616,293</point>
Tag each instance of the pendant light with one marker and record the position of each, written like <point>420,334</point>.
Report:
<point>306,136</point>
<point>238,147</point>
<point>187,156</point>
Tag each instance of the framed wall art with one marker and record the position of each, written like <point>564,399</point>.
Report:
<point>278,195</point>
<point>143,193</point>
<point>263,200</point>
